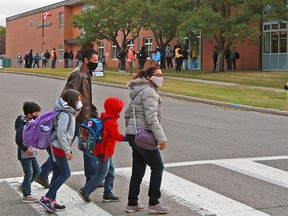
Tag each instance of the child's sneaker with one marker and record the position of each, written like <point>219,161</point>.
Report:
<point>131,209</point>
<point>20,189</point>
<point>42,181</point>
<point>159,209</point>
<point>47,204</point>
<point>83,196</point>
<point>29,199</point>
<point>58,207</point>
<point>110,198</point>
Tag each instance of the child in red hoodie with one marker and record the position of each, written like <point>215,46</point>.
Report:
<point>105,168</point>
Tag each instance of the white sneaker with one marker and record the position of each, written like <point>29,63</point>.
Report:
<point>29,199</point>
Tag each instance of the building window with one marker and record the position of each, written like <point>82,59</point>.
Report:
<point>275,39</point>
<point>130,44</point>
<point>266,42</point>
<point>283,42</point>
<point>61,20</point>
<point>148,46</point>
<point>101,50</point>
<point>61,53</point>
<point>30,24</point>
<point>114,51</point>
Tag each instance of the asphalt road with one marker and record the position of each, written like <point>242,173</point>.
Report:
<point>218,161</point>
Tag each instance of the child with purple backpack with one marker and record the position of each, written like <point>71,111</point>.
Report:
<point>62,135</point>
<point>26,154</point>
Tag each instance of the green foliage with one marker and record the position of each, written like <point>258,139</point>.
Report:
<point>229,22</point>
<point>108,19</point>
<point>2,31</point>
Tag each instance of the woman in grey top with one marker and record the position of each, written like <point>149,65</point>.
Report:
<point>148,107</point>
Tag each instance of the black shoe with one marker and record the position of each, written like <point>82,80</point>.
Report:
<point>42,181</point>
<point>47,204</point>
<point>58,207</point>
<point>110,198</point>
<point>84,196</point>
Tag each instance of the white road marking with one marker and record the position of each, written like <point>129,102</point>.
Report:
<point>257,170</point>
<point>197,198</point>
<point>66,196</point>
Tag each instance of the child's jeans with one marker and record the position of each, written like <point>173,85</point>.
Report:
<point>61,172</point>
<point>105,170</point>
<point>31,170</point>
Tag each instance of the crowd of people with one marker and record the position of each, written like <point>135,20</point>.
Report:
<point>48,59</point>
<point>179,58</point>
<point>75,106</point>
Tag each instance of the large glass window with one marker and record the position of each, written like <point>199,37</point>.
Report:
<point>283,41</point>
<point>61,53</point>
<point>266,42</point>
<point>61,20</point>
<point>148,45</point>
<point>275,40</point>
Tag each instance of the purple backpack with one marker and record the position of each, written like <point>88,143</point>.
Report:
<point>37,133</point>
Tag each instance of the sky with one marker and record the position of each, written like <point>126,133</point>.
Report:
<point>13,7</point>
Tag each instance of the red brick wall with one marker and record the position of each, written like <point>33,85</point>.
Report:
<point>20,38</point>
<point>249,57</point>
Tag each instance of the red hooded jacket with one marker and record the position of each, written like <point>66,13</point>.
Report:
<point>113,106</point>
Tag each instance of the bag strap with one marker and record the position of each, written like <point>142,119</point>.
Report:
<point>134,115</point>
<point>55,137</point>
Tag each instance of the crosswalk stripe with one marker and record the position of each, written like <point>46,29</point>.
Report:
<point>257,170</point>
<point>74,204</point>
<point>197,198</point>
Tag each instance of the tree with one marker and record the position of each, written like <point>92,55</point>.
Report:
<point>118,21</point>
<point>2,39</point>
<point>227,22</point>
<point>162,20</point>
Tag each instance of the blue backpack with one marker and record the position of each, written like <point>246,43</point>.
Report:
<point>90,136</point>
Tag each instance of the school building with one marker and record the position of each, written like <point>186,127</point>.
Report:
<point>27,31</point>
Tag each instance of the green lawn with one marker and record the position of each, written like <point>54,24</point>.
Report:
<point>237,95</point>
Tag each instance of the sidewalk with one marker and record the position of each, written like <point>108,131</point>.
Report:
<point>226,84</point>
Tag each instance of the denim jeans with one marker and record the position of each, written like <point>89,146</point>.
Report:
<point>90,163</point>
<point>31,170</point>
<point>192,64</point>
<point>46,168</point>
<point>105,170</point>
<point>141,158</point>
<point>61,172</point>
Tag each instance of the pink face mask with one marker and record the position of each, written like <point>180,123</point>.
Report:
<point>158,81</point>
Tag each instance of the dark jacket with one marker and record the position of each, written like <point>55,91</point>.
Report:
<point>20,122</point>
<point>80,80</point>
<point>66,55</point>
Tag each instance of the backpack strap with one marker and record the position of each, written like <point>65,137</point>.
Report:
<point>55,137</point>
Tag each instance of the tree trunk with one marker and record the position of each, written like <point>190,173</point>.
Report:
<point>220,61</point>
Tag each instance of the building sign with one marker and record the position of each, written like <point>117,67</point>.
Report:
<point>99,72</point>
<point>45,24</point>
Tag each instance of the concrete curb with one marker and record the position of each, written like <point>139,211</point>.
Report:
<point>181,97</point>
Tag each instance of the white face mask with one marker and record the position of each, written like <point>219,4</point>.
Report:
<point>158,81</point>
<point>79,105</point>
